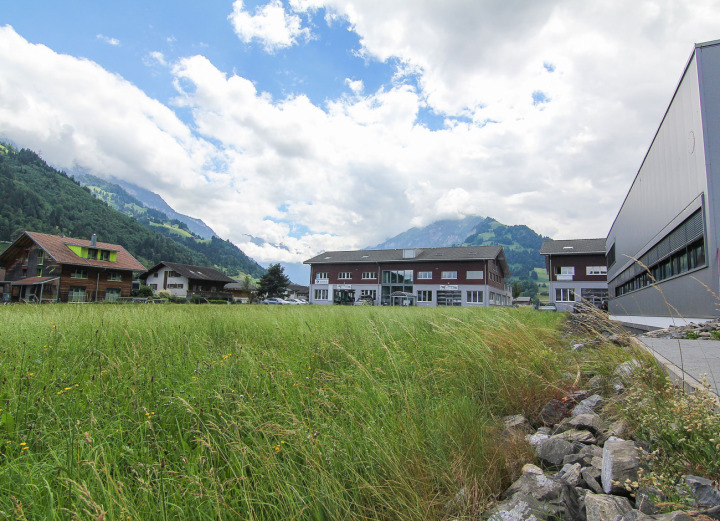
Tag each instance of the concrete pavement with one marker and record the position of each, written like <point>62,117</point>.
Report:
<point>695,357</point>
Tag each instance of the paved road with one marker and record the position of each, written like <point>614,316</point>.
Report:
<point>695,357</point>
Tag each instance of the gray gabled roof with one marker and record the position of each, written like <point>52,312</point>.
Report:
<point>459,253</point>
<point>573,246</point>
<point>191,272</point>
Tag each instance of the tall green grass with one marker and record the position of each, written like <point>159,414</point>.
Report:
<point>260,412</point>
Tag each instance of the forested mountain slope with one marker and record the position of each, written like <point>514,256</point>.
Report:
<point>37,197</point>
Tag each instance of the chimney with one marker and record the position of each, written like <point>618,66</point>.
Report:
<point>93,240</point>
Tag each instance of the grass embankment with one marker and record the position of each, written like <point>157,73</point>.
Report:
<point>259,412</point>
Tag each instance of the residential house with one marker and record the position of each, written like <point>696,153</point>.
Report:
<point>298,291</point>
<point>185,280</point>
<point>41,267</point>
<point>241,291</point>
<point>462,276</point>
<point>577,272</point>
<point>520,302</point>
<point>662,248</point>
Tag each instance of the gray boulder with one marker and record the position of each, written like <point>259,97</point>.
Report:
<point>620,464</point>
<point>588,405</point>
<point>559,499</point>
<point>570,474</point>
<point>601,507</point>
<point>554,411</point>
<point>703,491</point>
<point>521,507</point>
<point>551,451</point>
<point>591,478</point>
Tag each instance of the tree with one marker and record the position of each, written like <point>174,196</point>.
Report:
<point>274,283</point>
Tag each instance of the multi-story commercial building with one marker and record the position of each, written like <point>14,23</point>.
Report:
<point>462,276</point>
<point>577,272</point>
<point>662,249</point>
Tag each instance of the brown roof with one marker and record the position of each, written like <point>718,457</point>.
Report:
<point>191,272</point>
<point>31,281</point>
<point>457,253</point>
<point>57,248</point>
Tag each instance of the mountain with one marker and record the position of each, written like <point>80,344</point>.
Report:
<point>37,197</point>
<point>440,234</point>
<point>220,253</point>
<point>521,244</point>
<point>155,202</point>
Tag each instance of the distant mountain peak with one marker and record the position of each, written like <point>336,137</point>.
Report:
<point>439,234</point>
<point>521,243</point>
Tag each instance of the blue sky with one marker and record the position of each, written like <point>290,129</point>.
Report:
<point>335,124</point>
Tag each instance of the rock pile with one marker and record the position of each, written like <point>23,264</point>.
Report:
<point>706,331</point>
<point>589,470</point>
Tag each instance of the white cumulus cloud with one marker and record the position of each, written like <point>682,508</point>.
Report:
<point>270,24</point>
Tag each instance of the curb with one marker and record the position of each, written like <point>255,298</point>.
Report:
<point>677,375</point>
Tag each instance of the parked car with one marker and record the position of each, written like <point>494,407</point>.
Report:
<point>275,300</point>
<point>297,301</point>
<point>365,300</point>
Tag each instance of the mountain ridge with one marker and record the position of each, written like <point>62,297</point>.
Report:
<point>521,243</point>
<point>37,197</point>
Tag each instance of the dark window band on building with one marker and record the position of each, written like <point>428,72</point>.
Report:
<point>611,256</point>
<point>680,251</point>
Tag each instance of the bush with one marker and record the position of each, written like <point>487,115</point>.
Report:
<point>144,291</point>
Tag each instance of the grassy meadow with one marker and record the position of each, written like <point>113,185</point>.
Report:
<point>265,412</point>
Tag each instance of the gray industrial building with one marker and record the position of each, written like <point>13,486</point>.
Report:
<point>662,249</point>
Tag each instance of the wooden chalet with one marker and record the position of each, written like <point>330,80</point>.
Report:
<point>49,268</point>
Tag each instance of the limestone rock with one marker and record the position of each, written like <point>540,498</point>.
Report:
<point>620,464</point>
<point>558,499</point>
<point>601,507</point>
<point>570,474</point>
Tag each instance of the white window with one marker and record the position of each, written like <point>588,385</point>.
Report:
<point>344,275</point>
<point>321,294</point>
<point>369,275</point>
<point>153,287</point>
<point>475,275</point>
<point>321,276</point>
<point>596,270</point>
<point>475,297</point>
<point>564,295</point>
<point>448,275</point>
<point>424,296</point>
<point>564,270</point>
<point>492,298</point>
<point>424,275</point>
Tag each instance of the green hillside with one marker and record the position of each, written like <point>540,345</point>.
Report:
<point>220,253</point>
<point>521,245</point>
<point>36,197</point>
